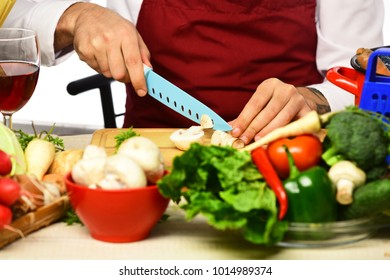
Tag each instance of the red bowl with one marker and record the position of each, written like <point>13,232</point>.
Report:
<point>117,215</point>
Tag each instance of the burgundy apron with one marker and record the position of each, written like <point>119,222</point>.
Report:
<point>219,51</point>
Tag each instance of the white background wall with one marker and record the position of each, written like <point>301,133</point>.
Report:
<point>51,102</point>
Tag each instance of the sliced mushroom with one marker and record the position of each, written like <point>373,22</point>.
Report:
<point>221,138</point>
<point>183,138</point>
<point>206,122</point>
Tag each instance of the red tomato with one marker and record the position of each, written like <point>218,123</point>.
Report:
<point>306,151</point>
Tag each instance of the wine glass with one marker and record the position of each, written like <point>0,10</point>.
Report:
<point>19,69</point>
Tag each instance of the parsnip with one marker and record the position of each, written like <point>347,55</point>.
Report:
<point>64,161</point>
<point>39,156</point>
<point>311,123</point>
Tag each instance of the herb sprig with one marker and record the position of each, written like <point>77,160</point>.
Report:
<point>71,218</point>
<point>123,136</point>
<point>25,138</point>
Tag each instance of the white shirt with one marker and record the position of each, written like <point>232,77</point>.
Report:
<point>343,26</point>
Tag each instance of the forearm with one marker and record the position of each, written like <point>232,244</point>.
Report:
<point>315,99</point>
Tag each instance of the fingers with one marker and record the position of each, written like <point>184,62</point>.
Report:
<point>274,104</point>
<point>112,46</point>
<point>134,65</point>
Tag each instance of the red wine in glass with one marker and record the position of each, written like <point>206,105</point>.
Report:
<point>17,84</point>
<point>19,69</point>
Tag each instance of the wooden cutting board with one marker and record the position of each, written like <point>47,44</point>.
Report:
<point>33,221</point>
<point>106,138</point>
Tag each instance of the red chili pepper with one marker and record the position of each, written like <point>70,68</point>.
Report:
<point>261,160</point>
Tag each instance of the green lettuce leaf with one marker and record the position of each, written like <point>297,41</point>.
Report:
<point>223,185</point>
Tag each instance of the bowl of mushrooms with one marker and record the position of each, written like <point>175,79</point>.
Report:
<point>116,196</point>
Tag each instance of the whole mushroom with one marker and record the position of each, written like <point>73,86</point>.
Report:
<point>147,154</point>
<point>89,171</point>
<point>122,172</point>
<point>346,176</point>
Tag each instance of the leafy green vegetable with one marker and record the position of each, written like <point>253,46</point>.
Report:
<point>223,185</point>
<point>121,137</point>
<point>57,141</point>
<point>71,218</point>
<point>25,138</point>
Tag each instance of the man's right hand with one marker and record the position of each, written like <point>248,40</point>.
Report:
<point>107,42</point>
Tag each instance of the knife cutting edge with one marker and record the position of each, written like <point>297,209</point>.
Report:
<point>180,101</point>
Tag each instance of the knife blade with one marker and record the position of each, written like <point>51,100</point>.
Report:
<point>180,101</point>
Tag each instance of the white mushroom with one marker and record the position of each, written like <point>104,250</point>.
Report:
<point>206,122</point>
<point>346,176</point>
<point>145,153</point>
<point>111,182</point>
<point>93,151</point>
<point>183,138</point>
<point>89,171</point>
<point>122,172</point>
<point>221,138</point>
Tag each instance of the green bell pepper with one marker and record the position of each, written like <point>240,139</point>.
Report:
<point>311,196</point>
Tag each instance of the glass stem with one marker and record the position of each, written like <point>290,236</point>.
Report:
<point>7,120</point>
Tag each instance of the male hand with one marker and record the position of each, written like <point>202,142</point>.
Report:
<point>107,42</point>
<point>275,104</point>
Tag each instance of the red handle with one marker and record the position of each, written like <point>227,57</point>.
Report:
<point>348,79</point>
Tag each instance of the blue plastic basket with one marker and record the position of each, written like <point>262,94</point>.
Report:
<point>376,89</point>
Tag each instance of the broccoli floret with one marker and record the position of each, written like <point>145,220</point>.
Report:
<point>357,136</point>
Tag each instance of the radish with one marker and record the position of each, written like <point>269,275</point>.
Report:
<point>10,191</point>
<point>5,216</point>
<point>6,219</point>
<point>5,163</point>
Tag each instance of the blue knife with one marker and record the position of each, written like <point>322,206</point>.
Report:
<point>180,101</point>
